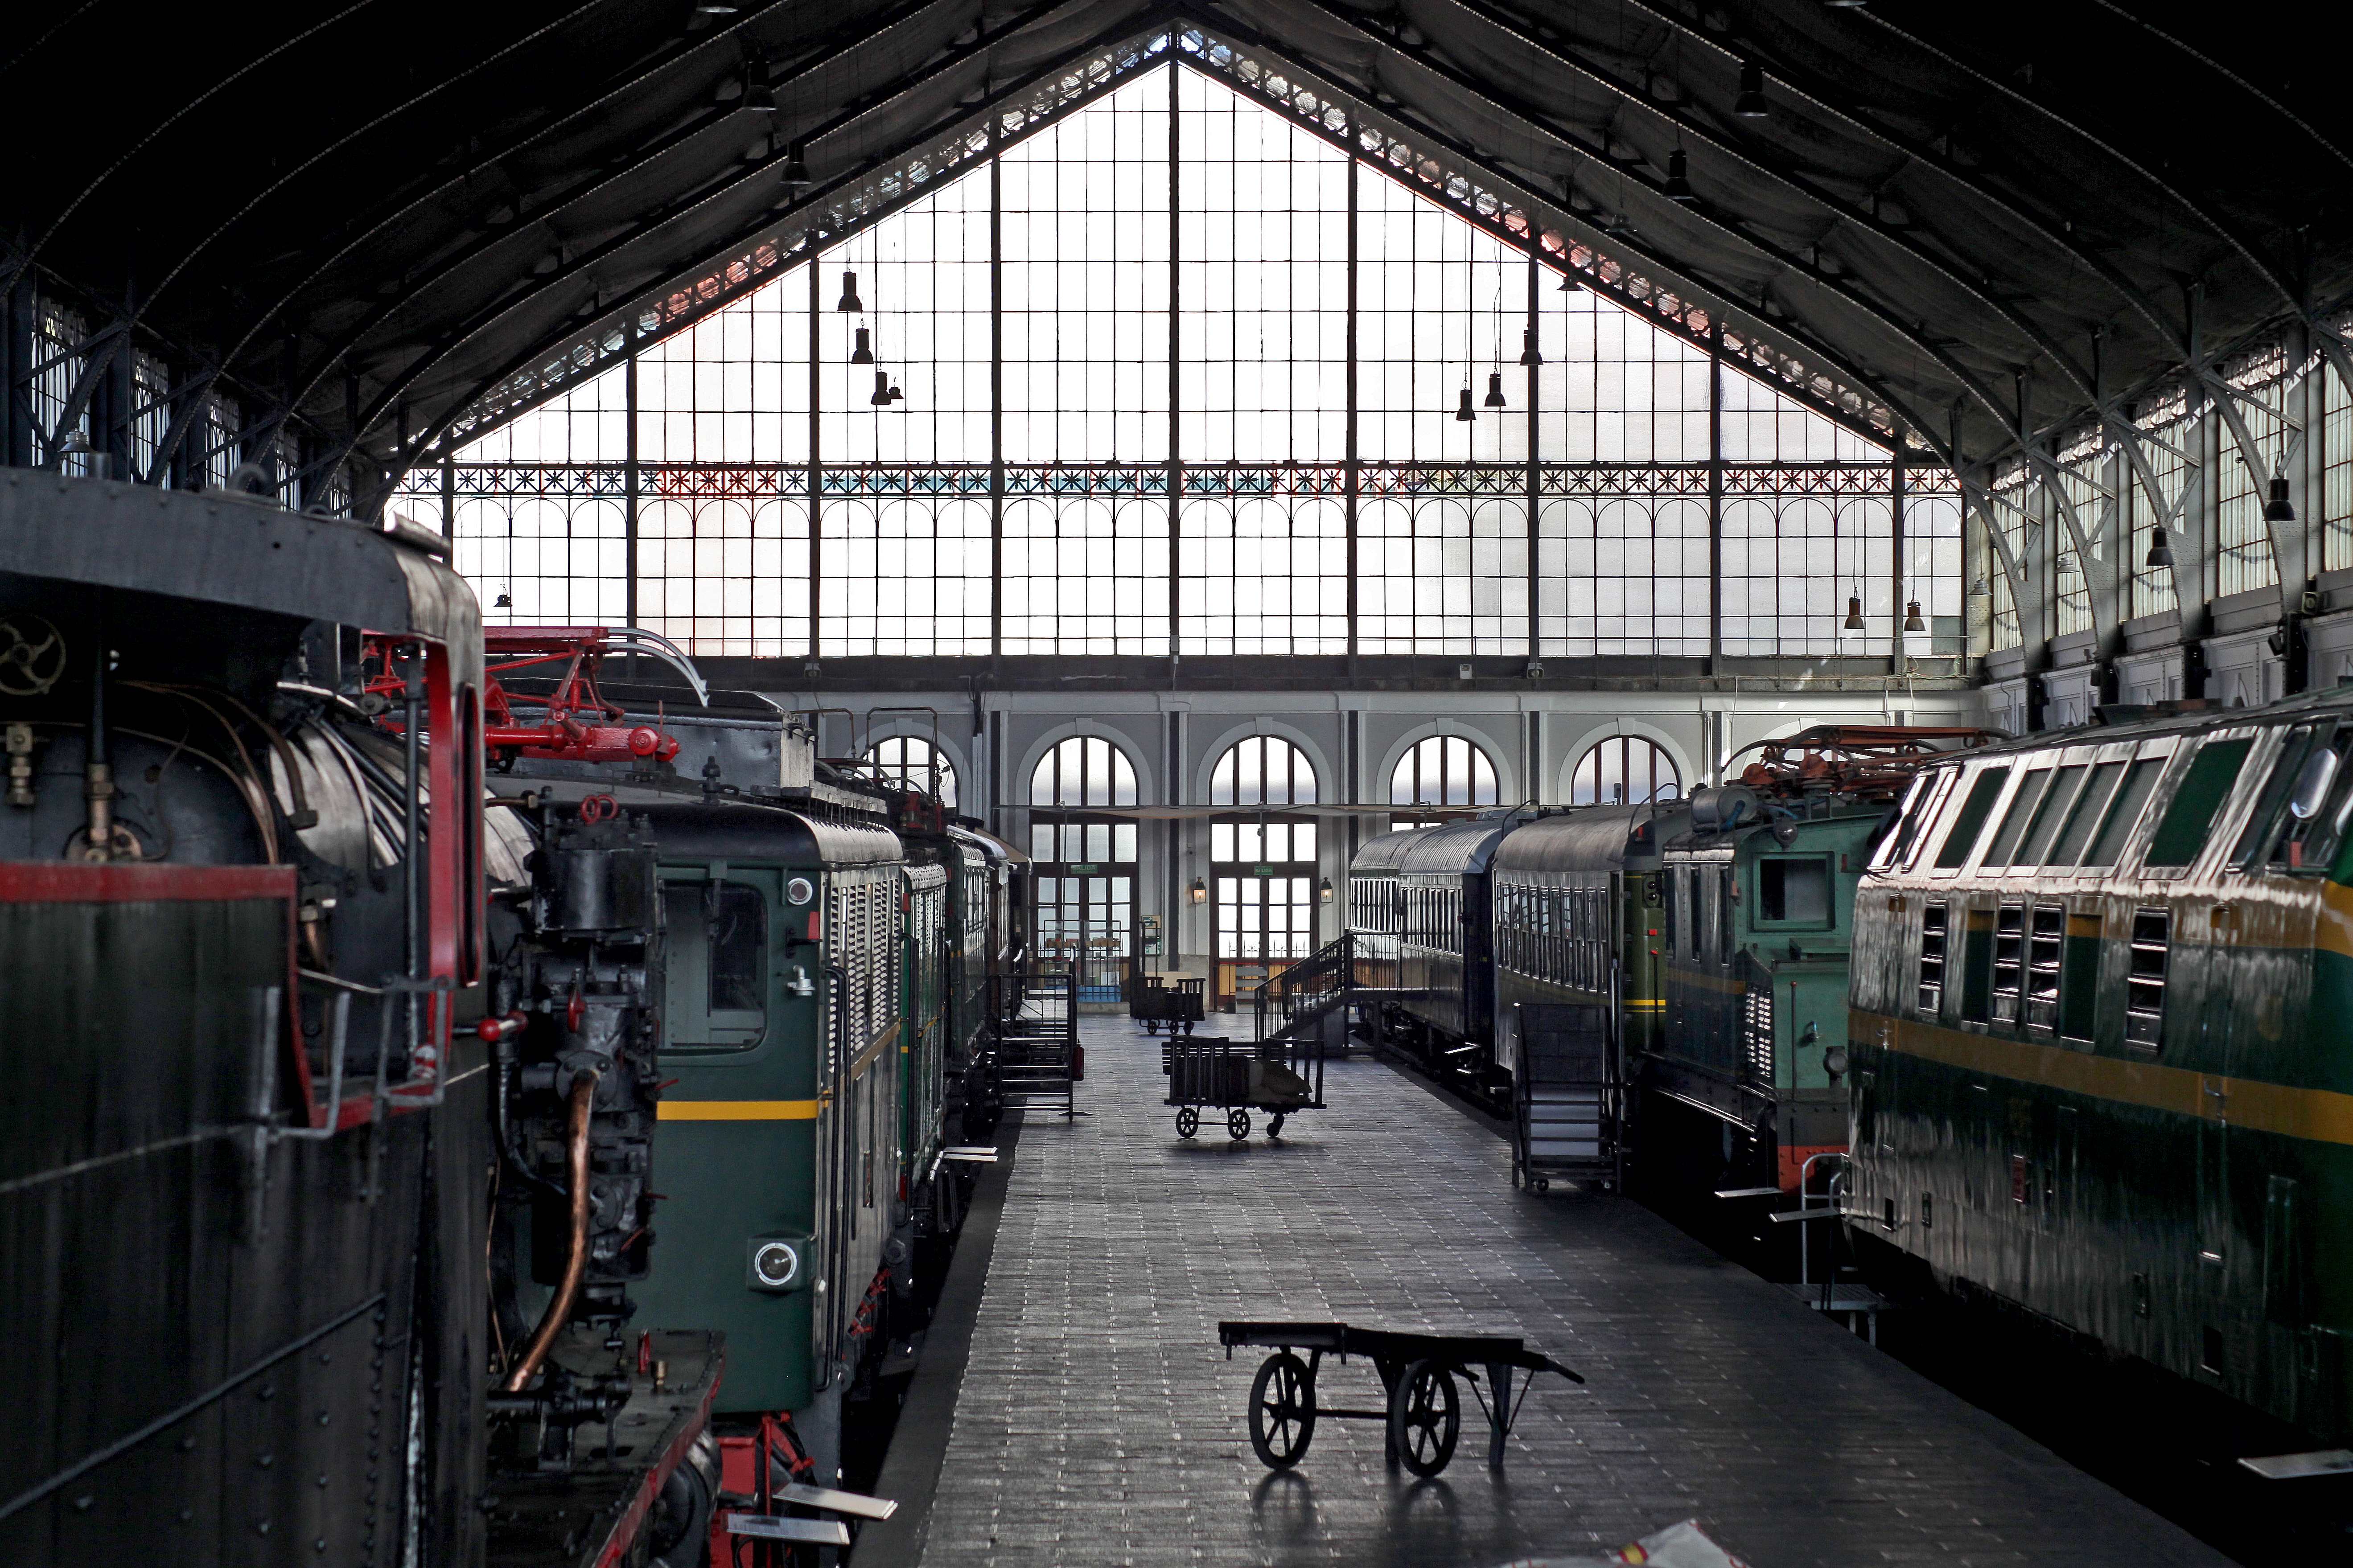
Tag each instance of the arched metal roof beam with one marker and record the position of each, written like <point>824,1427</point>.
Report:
<point>1961,375</point>
<point>375,122</point>
<point>462,333</point>
<point>1145,25</point>
<point>489,163</point>
<point>845,42</point>
<point>259,61</point>
<point>1779,170</point>
<point>1465,157</point>
<point>2227,233</point>
<point>1825,97</point>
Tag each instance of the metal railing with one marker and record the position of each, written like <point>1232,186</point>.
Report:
<point>1306,990</point>
<point>1034,1019</point>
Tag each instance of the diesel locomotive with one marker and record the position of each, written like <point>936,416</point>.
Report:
<point>2099,1034</point>
<point>351,1212</point>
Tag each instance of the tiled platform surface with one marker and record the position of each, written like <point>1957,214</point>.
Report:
<point>1099,1423</point>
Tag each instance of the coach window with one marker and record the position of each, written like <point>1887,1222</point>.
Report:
<point>2014,820</point>
<point>2090,804</point>
<point>2050,815</point>
<point>2140,783</point>
<point>2190,816</point>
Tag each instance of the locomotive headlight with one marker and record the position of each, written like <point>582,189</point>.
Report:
<point>799,890</point>
<point>1834,1061</point>
<point>773,1263</point>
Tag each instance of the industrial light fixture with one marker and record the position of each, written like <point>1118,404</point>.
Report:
<point>864,353</point>
<point>2161,548</point>
<point>1620,227</point>
<point>1323,890</point>
<point>1751,104</point>
<point>1844,5</point>
<point>1982,589</point>
<point>1528,354</point>
<point>849,302</point>
<point>1568,284</point>
<point>758,98</point>
<point>881,389</point>
<point>796,175</point>
<point>1494,398</point>
<point>1912,621</point>
<point>1200,890</point>
<point>896,395</point>
<point>1463,414</point>
<point>1853,622</point>
<point>2279,509</point>
<point>1678,188</point>
<point>503,601</point>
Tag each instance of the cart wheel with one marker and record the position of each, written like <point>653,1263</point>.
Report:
<point>1189,1026</point>
<point>1543,1184</point>
<point>1282,1410</point>
<point>1425,1417</point>
<point>1189,1122</point>
<point>1238,1124</point>
<point>1274,1128</point>
<point>1152,1025</point>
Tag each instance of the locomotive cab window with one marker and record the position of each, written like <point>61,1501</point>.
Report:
<point>717,945</point>
<point>2190,817</point>
<point>2304,785</point>
<point>1970,820</point>
<point>1794,891</point>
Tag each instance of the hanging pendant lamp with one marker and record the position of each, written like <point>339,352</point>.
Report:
<point>1528,354</point>
<point>1912,621</point>
<point>864,353</point>
<point>881,389</point>
<point>796,175</point>
<point>1751,104</point>
<point>1463,414</point>
<point>849,303</point>
<point>1853,622</point>
<point>1495,389</point>
<point>2160,549</point>
<point>2279,509</point>
<point>1678,187</point>
<point>895,394</point>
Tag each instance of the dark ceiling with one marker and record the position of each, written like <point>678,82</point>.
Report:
<point>380,211</point>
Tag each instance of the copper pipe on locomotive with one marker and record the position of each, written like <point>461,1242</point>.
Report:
<point>576,1265</point>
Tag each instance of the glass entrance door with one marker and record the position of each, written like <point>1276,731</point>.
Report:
<point>1264,874</point>
<point>1086,884</point>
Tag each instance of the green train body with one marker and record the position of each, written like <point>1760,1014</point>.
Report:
<point>2102,1066</point>
<point>1753,941</point>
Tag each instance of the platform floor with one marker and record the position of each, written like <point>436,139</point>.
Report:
<point>1099,1422</point>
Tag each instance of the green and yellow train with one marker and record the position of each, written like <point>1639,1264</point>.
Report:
<point>2102,1039</point>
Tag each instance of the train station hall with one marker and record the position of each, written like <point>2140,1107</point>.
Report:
<point>1037,784</point>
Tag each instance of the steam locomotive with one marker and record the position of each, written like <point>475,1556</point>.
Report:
<point>343,1173</point>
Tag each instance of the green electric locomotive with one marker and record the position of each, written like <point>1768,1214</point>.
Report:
<point>2102,981</point>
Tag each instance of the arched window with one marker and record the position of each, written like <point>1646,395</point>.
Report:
<point>1264,770</point>
<point>1083,770</point>
<point>1625,769</point>
<point>911,761</point>
<point>1263,865</point>
<point>1086,872</point>
<point>1443,770</point>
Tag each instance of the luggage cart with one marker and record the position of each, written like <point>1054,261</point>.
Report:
<point>1418,1371</point>
<point>1279,1077</point>
<point>1567,1099</point>
<point>1172,1001</point>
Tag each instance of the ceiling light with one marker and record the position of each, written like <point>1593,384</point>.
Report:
<point>849,300</point>
<point>1463,414</point>
<point>796,175</point>
<point>2160,550</point>
<point>1912,621</point>
<point>1494,389</point>
<point>1568,283</point>
<point>758,98</point>
<point>881,389</point>
<point>1528,354</point>
<point>1751,104</point>
<point>1853,622</point>
<point>1620,227</point>
<point>864,353</point>
<point>1981,589</point>
<point>1844,5</point>
<point>895,394</point>
<point>1678,181</point>
<point>2279,509</point>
